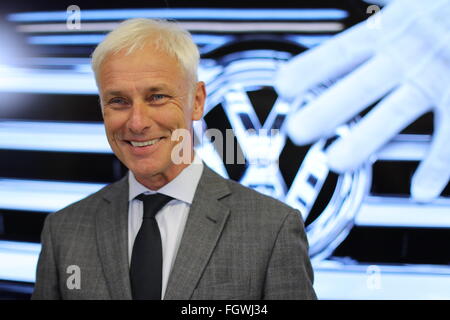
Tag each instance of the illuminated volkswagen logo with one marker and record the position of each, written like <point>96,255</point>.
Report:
<point>241,97</point>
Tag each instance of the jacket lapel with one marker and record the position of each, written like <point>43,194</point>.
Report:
<point>206,220</point>
<point>112,239</point>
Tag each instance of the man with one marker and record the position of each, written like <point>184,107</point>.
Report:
<point>212,239</point>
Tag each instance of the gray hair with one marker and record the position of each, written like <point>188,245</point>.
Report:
<point>135,33</point>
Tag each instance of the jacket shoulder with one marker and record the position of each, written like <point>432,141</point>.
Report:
<point>91,203</point>
<point>254,202</point>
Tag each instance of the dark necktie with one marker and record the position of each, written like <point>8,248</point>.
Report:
<point>146,259</point>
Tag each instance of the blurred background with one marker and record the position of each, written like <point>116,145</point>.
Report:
<point>368,238</point>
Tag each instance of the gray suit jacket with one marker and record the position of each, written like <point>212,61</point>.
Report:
<point>237,244</point>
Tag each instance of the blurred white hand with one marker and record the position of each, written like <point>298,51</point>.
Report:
<point>403,58</point>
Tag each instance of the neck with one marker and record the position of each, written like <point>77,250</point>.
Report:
<point>159,180</point>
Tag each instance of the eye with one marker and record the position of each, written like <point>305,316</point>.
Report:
<point>158,98</point>
<point>118,103</point>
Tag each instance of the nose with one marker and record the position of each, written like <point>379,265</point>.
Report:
<point>139,119</point>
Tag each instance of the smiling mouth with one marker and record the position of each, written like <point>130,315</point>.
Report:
<point>144,143</point>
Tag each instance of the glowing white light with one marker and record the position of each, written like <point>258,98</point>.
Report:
<point>45,196</point>
<point>18,260</point>
<point>395,282</point>
<point>403,212</point>
<point>188,13</point>
<point>46,81</point>
<point>73,40</point>
<point>53,136</point>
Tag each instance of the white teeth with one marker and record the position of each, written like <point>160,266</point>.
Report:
<point>144,143</point>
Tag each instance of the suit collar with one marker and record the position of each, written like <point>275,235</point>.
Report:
<point>206,220</point>
<point>112,239</point>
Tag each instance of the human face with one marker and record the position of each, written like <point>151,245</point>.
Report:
<point>145,96</point>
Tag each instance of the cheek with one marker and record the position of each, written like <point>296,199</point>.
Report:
<point>113,121</point>
<point>113,130</point>
<point>174,117</point>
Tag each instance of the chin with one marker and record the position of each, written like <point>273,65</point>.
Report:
<point>146,172</point>
<point>148,168</point>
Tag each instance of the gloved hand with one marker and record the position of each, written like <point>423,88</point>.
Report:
<point>403,59</point>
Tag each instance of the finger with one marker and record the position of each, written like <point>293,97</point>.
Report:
<point>328,61</point>
<point>345,51</point>
<point>433,173</point>
<point>389,117</point>
<point>344,100</point>
<point>431,72</point>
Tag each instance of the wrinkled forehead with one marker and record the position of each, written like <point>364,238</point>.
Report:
<point>143,66</point>
<point>143,58</point>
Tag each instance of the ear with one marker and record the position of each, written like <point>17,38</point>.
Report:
<point>199,101</point>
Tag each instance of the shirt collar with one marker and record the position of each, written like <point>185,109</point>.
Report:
<point>181,188</point>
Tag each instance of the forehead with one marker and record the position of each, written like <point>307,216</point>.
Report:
<point>144,66</point>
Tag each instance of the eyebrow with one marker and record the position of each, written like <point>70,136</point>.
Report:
<point>152,89</point>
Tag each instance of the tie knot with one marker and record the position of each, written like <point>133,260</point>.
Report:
<point>153,203</point>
